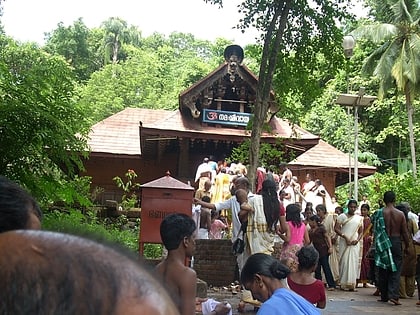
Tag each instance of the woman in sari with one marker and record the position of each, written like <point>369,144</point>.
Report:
<point>349,227</point>
<point>261,214</point>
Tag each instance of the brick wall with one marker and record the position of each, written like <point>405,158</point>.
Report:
<point>214,262</point>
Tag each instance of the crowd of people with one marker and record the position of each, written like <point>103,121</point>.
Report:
<point>324,246</point>
<point>354,245</point>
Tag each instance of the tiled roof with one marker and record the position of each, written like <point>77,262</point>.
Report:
<point>177,124</point>
<point>119,133</point>
<point>325,155</point>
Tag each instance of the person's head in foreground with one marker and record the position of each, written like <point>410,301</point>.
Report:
<point>264,276</point>
<point>177,230</point>
<point>52,273</point>
<point>260,273</point>
<point>18,209</point>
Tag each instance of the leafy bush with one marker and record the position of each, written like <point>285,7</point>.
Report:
<point>113,230</point>
<point>405,186</point>
<point>75,222</point>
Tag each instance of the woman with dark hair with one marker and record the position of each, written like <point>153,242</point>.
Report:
<point>296,236</point>
<point>349,227</point>
<point>265,277</point>
<point>367,243</point>
<point>261,213</point>
<point>322,243</point>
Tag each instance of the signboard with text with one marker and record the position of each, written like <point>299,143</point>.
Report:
<point>225,118</point>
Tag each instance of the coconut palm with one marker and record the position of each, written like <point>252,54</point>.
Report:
<point>396,61</point>
<point>117,33</point>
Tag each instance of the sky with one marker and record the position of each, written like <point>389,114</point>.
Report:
<point>28,20</point>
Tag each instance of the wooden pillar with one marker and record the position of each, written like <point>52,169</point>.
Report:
<point>183,158</point>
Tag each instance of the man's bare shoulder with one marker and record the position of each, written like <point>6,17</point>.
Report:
<point>184,274</point>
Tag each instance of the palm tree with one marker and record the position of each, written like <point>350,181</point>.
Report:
<point>396,61</point>
<point>117,33</point>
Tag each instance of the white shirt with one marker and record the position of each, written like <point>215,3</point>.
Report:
<point>233,204</point>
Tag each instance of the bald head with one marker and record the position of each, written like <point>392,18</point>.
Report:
<point>54,273</point>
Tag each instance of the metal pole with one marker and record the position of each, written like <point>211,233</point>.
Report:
<point>349,125</point>
<point>356,152</point>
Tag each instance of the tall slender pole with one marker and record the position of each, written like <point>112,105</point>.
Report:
<point>348,45</point>
<point>349,123</point>
<point>356,151</point>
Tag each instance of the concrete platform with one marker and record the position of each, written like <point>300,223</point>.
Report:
<point>338,302</point>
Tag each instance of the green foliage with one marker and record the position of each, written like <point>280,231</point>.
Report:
<point>129,198</point>
<point>395,58</point>
<point>70,192</point>
<point>42,130</point>
<point>74,222</point>
<point>74,44</point>
<point>152,251</point>
<point>405,186</point>
<point>269,154</point>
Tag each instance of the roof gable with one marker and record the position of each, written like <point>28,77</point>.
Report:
<point>325,155</point>
<point>119,133</point>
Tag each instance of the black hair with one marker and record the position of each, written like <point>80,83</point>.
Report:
<point>321,207</point>
<point>403,209</point>
<point>353,201</point>
<point>389,197</point>
<point>339,208</point>
<point>265,265</point>
<point>206,199</point>
<point>366,206</point>
<point>15,206</point>
<point>174,228</point>
<point>243,181</point>
<point>271,203</point>
<point>68,275</point>
<point>293,214</point>
<point>307,257</point>
<point>315,218</point>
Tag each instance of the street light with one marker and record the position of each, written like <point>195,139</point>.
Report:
<point>348,45</point>
<point>350,100</point>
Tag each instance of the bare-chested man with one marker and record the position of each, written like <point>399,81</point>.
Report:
<point>395,228</point>
<point>177,233</point>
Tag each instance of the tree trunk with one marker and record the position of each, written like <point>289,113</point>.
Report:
<point>410,112</point>
<point>271,48</point>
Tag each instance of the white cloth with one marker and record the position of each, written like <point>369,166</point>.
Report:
<point>289,190</point>
<point>203,234</point>
<point>234,206</point>
<point>196,210</point>
<point>208,306</point>
<point>202,168</point>
<point>258,238</point>
<point>413,216</point>
<point>350,255</point>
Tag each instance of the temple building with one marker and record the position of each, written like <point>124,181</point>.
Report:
<point>211,120</point>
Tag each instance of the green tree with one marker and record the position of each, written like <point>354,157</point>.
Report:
<point>396,61</point>
<point>297,27</point>
<point>117,33</point>
<point>151,77</point>
<point>73,44</point>
<point>42,130</point>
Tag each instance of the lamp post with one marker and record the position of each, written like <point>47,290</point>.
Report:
<point>348,45</point>
<point>355,101</point>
